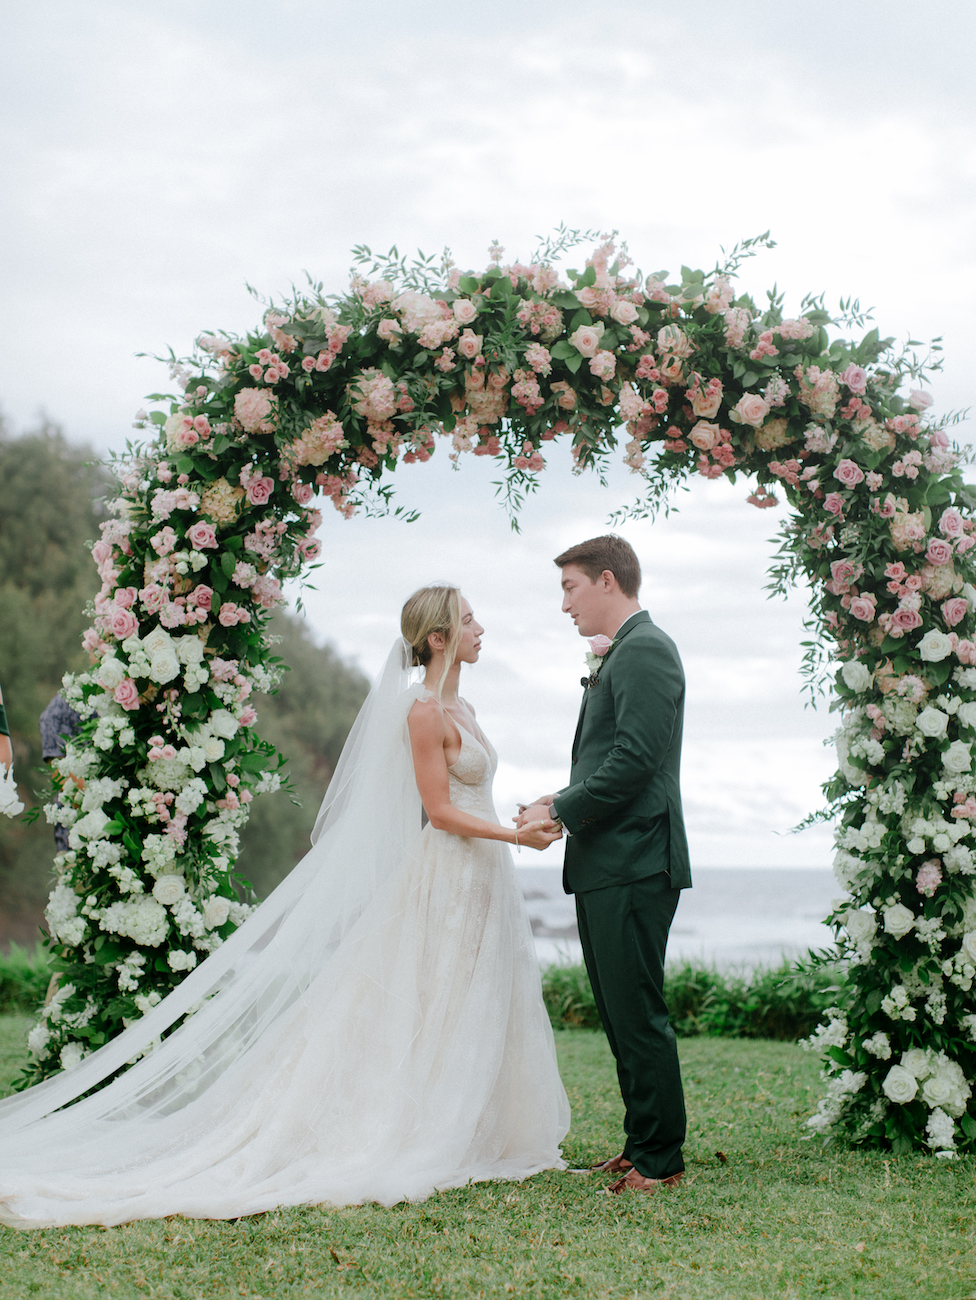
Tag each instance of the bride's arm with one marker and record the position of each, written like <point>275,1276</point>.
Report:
<point>427,738</point>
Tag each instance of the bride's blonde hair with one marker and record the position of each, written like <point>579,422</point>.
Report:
<point>436,608</point>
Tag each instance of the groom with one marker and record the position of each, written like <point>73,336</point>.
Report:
<point>626,852</point>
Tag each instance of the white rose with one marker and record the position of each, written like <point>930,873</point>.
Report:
<point>932,722</point>
<point>213,749</point>
<point>110,673</point>
<point>916,845</point>
<point>958,758</point>
<point>623,312</point>
<point>898,920</point>
<point>917,1062</point>
<point>966,713</point>
<point>223,723</point>
<point>158,640</point>
<point>164,667</point>
<point>934,646</point>
<point>189,649</point>
<point>860,925</point>
<point>464,311</point>
<point>938,1091</point>
<point>856,675</point>
<point>168,890</point>
<point>899,1085</point>
<point>215,912</point>
<point>969,946</point>
<point>968,594</point>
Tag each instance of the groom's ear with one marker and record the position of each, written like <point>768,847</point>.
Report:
<point>608,579</point>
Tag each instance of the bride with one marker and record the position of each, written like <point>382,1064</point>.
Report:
<point>373,1032</point>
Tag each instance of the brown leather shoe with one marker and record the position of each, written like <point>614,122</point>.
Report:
<point>615,1165</point>
<point>635,1182</point>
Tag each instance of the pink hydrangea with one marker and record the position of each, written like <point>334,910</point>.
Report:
<point>255,409</point>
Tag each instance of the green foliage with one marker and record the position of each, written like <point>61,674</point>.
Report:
<point>49,509</point>
<point>784,1002</point>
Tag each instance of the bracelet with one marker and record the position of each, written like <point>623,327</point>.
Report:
<point>518,847</point>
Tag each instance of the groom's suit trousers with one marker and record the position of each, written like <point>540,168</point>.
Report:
<point>624,932</point>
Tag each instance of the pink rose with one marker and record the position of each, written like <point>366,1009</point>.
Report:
<point>464,311</point>
<point>856,378</point>
<point>604,364</point>
<point>849,473</point>
<point>230,614</point>
<point>126,694</point>
<point>600,645</point>
<point>122,623</point>
<point>906,619</point>
<point>750,409</point>
<point>258,493</point>
<point>202,536</point>
<point>950,525</point>
<point>705,405</point>
<point>863,607</point>
<point>201,596</point>
<point>101,552</point>
<point>248,716</point>
<point>586,340</point>
<point>302,492</point>
<point>705,436</point>
<point>308,364</point>
<point>125,597</point>
<point>624,313</point>
<point>152,597</point>
<point>389,330</point>
<point>469,344</point>
<point>954,610</point>
<point>834,504</point>
<point>310,548</point>
<point>939,552</point>
<point>919,400</point>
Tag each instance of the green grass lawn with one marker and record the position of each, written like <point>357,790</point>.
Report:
<point>778,1216</point>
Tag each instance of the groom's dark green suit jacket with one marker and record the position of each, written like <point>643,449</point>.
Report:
<point>622,807</point>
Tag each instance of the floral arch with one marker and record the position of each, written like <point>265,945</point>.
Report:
<point>327,398</point>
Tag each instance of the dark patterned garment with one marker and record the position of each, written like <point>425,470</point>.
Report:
<point>59,723</point>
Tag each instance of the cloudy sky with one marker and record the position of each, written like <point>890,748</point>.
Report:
<point>159,158</point>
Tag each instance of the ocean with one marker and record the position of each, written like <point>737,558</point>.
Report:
<point>734,916</point>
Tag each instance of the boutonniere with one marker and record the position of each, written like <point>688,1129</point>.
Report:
<point>599,648</point>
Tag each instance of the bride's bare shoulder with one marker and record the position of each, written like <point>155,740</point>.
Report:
<point>426,716</point>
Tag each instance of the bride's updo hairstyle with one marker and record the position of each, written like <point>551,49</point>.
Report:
<point>433,609</point>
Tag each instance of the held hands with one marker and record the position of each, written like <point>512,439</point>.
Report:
<point>538,833</point>
<point>537,810</point>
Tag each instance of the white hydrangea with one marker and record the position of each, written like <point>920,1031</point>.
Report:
<point>968,1023</point>
<point>142,920</point>
<point>146,1001</point>
<point>104,854</point>
<point>191,796</point>
<point>268,783</point>
<point>959,859</point>
<point>935,1005</point>
<point>158,853</point>
<point>179,959</point>
<point>941,1131</point>
<point>62,916</point>
<point>878,1045</point>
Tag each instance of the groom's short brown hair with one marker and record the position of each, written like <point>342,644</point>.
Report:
<point>602,553</point>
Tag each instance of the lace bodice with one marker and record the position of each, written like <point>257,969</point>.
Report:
<point>470,777</point>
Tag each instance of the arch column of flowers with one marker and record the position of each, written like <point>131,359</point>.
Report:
<point>326,398</point>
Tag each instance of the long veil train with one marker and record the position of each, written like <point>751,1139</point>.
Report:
<point>317,1006</point>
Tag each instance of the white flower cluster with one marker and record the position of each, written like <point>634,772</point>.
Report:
<point>942,1081</point>
<point>897,1005</point>
<point>878,1045</point>
<point>832,1034</point>
<point>840,1088</point>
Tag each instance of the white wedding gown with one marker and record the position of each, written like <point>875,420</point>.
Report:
<point>374,1032</point>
